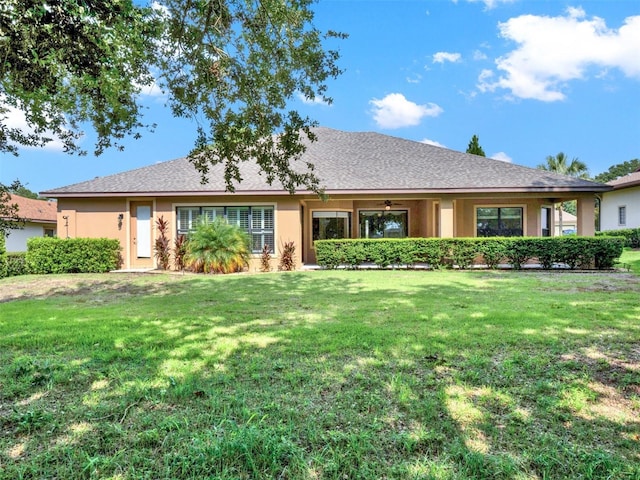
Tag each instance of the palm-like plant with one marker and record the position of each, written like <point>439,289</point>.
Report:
<point>218,247</point>
<point>561,164</point>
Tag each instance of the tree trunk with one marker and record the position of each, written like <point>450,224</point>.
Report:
<point>560,219</point>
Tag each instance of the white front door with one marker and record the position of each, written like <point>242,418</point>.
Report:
<point>141,235</point>
<point>144,231</point>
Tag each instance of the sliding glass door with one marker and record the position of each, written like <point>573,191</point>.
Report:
<point>383,223</point>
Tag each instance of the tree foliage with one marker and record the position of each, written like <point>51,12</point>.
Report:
<point>23,191</point>
<point>474,147</point>
<point>9,211</point>
<point>618,170</point>
<point>231,66</point>
<point>72,62</point>
<point>561,164</point>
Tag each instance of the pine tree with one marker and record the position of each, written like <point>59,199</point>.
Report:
<point>474,147</point>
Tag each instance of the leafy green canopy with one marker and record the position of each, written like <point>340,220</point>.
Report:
<point>618,170</point>
<point>9,218</point>
<point>231,66</point>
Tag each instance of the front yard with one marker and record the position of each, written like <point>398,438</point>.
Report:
<point>321,375</point>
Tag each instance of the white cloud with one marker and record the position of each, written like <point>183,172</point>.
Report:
<point>442,57</point>
<point>415,78</point>
<point>479,55</point>
<point>553,51</point>
<point>152,90</point>
<point>15,118</point>
<point>160,9</point>
<point>432,142</point>
<point>395,111</point>
<point>489,4</point>
<point>503,157</point>
<point>309,101</point>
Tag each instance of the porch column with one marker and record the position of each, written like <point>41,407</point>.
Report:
<point>586,216</point>
<point>446,218</point>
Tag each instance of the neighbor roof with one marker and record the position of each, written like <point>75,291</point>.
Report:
<point>346,162</point>
<point>40,211</point>
<point>629,180</point>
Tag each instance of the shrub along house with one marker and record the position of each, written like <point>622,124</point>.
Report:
<point>378,187</point>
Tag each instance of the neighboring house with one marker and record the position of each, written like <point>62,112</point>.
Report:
<point>40,221</point>
<point>569,223</point>
<point>378,186</point>
<point>620,207</point>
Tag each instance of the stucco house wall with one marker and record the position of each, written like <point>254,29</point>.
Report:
<point>611,203</point>
<point>17,239</point>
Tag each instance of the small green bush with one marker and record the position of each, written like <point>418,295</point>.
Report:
<point>72,255</point>
<point>217,247</point>
<point>631,235</point>
<point>492,250</point>
<point>463,251</point>
<point>16,264</point>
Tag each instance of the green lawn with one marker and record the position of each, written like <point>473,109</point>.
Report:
<point>632,259</point>
<point>321,375</point>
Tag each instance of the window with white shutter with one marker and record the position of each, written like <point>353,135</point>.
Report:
<point>187,219</point>
<point>262,229</point>
<point>211,213</point>
<point>258,222</point>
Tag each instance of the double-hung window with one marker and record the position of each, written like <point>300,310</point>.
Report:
<point>257,221</point>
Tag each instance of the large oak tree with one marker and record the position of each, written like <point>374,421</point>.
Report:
<point>232,66</point>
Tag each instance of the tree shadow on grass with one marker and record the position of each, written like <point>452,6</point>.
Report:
<point>320,376</point>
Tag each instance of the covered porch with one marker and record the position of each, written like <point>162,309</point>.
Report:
<point>445,216</point>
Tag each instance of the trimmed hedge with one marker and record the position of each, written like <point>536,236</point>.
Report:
<point>631,235</point>
<point>3,257</point>
<point>574,252</point>
<point>72,255</point>
<point>16,264</point>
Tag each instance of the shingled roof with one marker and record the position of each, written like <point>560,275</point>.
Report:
<point>346,162</point>
<point>39,211</point>
<point>630,180</point>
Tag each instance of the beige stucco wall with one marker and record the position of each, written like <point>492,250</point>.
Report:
<point>293,217</point>
<point>94,218</point>
<point>466,214</point>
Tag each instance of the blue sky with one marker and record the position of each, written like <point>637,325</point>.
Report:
<point>530,78</point>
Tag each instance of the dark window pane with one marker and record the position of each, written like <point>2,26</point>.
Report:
<point>383,224</point>
<point>499,222</point>
<point>330,225</point>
